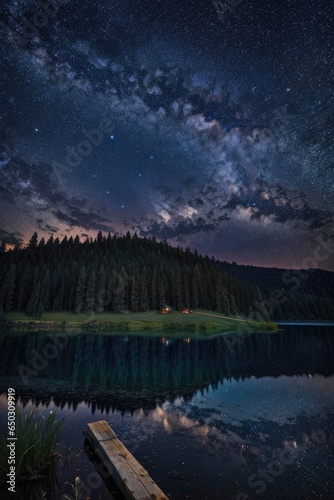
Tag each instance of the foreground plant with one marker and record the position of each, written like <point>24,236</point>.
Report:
<point>35,446</point>
<point>77,490</point>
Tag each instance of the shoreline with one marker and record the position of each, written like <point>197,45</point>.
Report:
<point>143,323</point>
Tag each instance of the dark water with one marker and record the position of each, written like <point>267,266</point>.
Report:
<point>253,418</point>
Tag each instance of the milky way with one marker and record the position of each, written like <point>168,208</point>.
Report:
<point>207,124</point>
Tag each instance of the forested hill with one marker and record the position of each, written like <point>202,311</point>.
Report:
<point>305,293</point>
<point>116,273</point>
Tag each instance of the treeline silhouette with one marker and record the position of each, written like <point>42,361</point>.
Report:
<point>116,273</point>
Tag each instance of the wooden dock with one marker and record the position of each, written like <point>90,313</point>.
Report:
<point>132,479</point>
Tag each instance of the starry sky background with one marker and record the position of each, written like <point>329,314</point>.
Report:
<point>222,124</point>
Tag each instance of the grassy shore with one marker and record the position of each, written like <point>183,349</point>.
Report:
<point>198,321</point>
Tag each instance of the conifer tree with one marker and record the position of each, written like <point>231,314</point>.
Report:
<point>134,303</point>
<point>41,244</point>
<point>90,293</point>
<point>186,292</point>
<point>233,307</point>
<point>195,297</point>
<point>101,293</point>
<point>7,290</point>
<point>143,294</point>
<point>39,310</point>
<point>3,248</point>
<point>80,295</point>
<point>33,241</point>
<point>22,290</point>
<point>219,295</point>
<point>61,291</point>
<point>33,301</point>
<point>11,288</point>
<point>162,291</point>
<point>225,303</point>
<point>119,296</point>
<point>118,290</point>
<point>179,292</point>
<point>154,291</point>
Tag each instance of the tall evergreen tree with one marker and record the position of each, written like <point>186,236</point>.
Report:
<point>118,287</point>
<point>119,298</point>
<point>154,290</point>
<point>186,292</point>
<point>90,293</point>
<point>101,296</point>
<point>39,310</point>
<point>195,296</point>
<point>33,241</point>
<point>80,295</point>
<point>219,295</point>
<point>225,303</point>
<point>45,291</point>
<point>22,290</point>
<point>179,292</point>
<point>233,306</point>
<point>162,291</point>
<point>11,288</point>
<point>3,248</point>
<point>41,244</point>
<point>134,302</point>
<point>58,304</point>
<point>143,294</point>
<point>7,290</point>
<point>33,301</point>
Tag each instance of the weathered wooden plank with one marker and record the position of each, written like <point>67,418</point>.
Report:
<point>117,465</point>
<point>131,477</point>
<point>125,452</point>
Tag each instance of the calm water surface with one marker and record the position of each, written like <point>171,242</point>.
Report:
<point>207,418</point>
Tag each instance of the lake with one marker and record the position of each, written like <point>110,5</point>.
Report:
<point>228,418</point>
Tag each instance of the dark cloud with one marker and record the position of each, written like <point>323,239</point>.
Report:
<point>181,228</point>
<point>47,228</point>
<point>89,220</point>
<point>39,187</point>
<point>10,238</point>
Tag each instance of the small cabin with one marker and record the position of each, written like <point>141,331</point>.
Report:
<point>185,310</point>
<point>166,309</point>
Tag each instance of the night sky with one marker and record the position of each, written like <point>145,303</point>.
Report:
<point>216,124</point>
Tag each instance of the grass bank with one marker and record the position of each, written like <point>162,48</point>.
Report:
<point>33,452</point>
<point>198,321</point>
